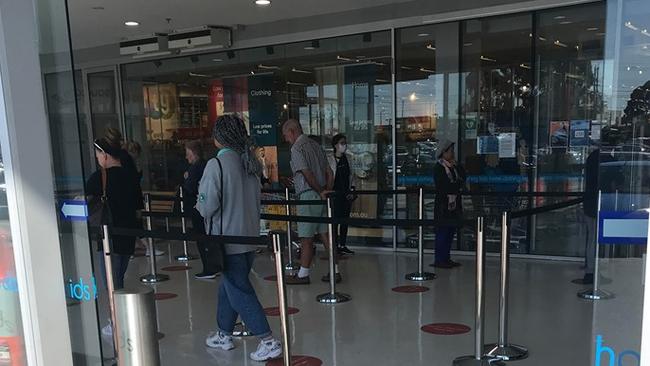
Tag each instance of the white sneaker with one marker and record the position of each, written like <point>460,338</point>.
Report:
<point>219,340</point>
<point>108,330</point>
<point>267,350</point>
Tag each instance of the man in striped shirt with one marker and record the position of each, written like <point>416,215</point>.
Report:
<point>313,179</point>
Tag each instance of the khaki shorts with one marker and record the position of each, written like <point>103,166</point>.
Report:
<point>309,229</point>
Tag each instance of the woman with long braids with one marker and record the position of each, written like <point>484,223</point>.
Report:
<point>229,201</point>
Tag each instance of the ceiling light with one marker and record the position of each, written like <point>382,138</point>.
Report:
<point>525,66</point>
<point>468,44</point>
<point>559,17</point>
<point>423,34</point>
<point>217,59</point>
<point>301,71</point>
<point>629,68</point>
<point>631,26</point>
<point>431,47</point>
<point>542,38</point>
<point>640,72</point>
<point>341,58</point>
<point>566,22</point>
<point>268,67</point>
<point>413,97</point>
<point>488,59</point>
<point>131,23</point>
<point>592,29</point>
<point>558,43</point>
<point>427,70</point>
<point>285,106</point>
<point>263,2</point>
<point>645,47</point>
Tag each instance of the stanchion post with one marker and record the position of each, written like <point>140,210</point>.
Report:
<point>282,300</point>
<point>420,275</point>
<point>108,268</point>
<point>332,297</point>
<point>152,277</point>
<point>186,255</point>
<point>502,349</point>
<point>478,359</point>
<point>596,293</point>
<point>291,266</point>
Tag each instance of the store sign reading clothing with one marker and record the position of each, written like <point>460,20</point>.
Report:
<point>261,109</point>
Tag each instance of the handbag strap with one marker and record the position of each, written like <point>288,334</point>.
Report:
<point>221,197</point>
<point>104,174</point>
<point>220,201</point>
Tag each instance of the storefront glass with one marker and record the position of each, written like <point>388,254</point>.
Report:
<point>335,85</point>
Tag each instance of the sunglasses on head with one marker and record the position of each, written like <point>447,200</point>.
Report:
<point>97,146</point>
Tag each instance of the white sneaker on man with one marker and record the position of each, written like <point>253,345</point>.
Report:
<point>219,340</point>
<point>267,350</point>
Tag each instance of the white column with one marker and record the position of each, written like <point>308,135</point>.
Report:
<point>27,155</point>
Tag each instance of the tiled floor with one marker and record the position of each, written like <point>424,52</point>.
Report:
<point>380,327</point>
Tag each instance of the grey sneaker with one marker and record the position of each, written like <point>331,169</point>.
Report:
<point>267,350</point>
<point>219,340</point>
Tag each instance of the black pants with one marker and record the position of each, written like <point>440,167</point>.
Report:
<point>199,227</point>
<point>341,209</point>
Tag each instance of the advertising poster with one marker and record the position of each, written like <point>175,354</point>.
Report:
<point>261,110</point>
<point>268,155</point>
<point>358,114</point>
<point>487,145</point>
<point>579,133</point>
<point>471,128</point>
<point>595,131</point>
<point>161,111</point>
<point>215,101</point>
<point>507,145</point>
<point>559,134</point>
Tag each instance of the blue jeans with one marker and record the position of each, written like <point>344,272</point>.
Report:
<point>237,297</point>
<point>444,238</point>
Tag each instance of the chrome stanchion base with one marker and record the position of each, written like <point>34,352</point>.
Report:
<point>417,276</point>
<point>335,298</point>
<point>291,267</point>
<point>473,361</point>
<point>184,258</point>
<point>508,352</point>
<point>154,278</point>
<point>590,294</point>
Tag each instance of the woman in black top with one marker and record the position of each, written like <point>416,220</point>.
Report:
<point>193,175</point>
<point>124,198</point>
<point>343,188</point>
<point>449,178</point>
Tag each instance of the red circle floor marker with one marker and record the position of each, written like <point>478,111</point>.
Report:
<point>297,361</point>
<point>176,268</point>
<point>411,289</point>
<point>164,296</point>
<point>446,328</point>
<point>275,311</point>
<point>273,278</point>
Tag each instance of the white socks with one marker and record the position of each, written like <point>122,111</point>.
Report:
<point>303,272</point>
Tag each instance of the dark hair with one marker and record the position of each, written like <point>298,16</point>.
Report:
<point>230,131</point>
<point>337,138</point>
<point>113,136</point>
<point>195,147</point>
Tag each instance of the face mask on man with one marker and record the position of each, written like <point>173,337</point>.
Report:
<point>341,148</point>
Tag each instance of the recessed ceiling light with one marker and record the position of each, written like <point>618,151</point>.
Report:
<point>566,22</point>
<point>263,2</point>
<point>592,29</point>
<point>560,17</point>
<point>131,23</point>
<point>423,35</point>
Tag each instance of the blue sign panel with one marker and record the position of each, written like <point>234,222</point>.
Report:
<point>623,227</point>
<point>74,210</point>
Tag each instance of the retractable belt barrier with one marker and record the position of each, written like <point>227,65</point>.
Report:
<point>484,355</point>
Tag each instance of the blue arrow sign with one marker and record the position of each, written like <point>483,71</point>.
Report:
<point>74,210</point>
